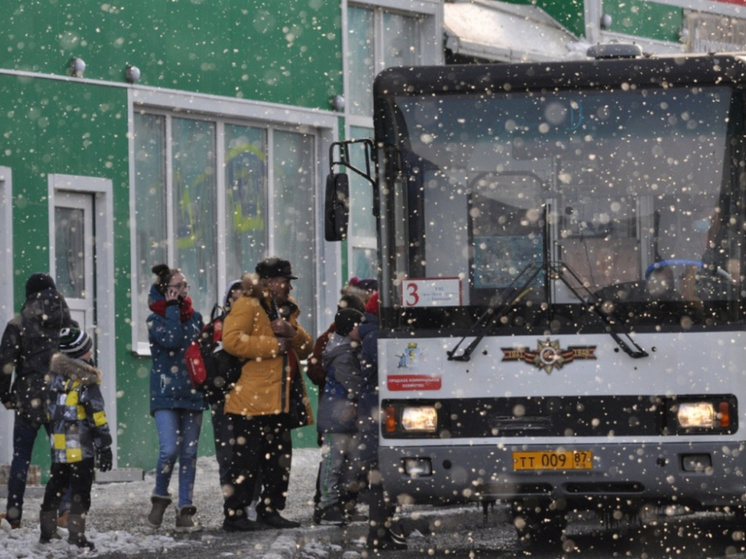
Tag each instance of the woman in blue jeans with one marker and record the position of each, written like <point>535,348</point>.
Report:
<point>175,405</point>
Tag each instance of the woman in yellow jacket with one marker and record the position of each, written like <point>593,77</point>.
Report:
<point>269,399</point>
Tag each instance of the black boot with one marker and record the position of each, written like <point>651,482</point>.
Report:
<point>387,539</point>
<point>76,527</point>
<point>48,526</point>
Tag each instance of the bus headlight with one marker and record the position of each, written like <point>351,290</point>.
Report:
<point>696,415</point>
<point>421,418</point>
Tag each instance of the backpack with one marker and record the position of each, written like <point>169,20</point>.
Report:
<point>213,370</point>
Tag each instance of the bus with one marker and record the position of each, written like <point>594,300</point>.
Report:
<point>561,284</point>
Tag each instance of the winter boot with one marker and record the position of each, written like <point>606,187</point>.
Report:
<point>387,539</point>
<point>185,521</point>
<point>160,504</point>
<point>14,524</point>
<point>76,527</point>
<point>48,526</point>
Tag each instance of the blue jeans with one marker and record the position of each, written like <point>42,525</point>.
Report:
<point>178,435</point>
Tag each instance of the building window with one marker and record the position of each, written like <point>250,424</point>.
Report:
<point>213,197</point>
<point>379,38</point>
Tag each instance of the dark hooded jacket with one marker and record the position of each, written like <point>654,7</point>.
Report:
<point>77,419</point>
<point>29,341</point>
<point>338,404</point>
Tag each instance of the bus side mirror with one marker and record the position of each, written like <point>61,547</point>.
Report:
<point>336,207</point>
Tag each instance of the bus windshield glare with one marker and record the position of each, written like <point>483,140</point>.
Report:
<point>536,207</point>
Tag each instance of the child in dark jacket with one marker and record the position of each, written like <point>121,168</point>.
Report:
<point>337,415</point>
<point>79,435</point>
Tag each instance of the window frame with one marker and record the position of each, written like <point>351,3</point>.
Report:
<point>429,14</point>
<point>322,125</point>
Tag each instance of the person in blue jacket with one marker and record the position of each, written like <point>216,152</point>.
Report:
<point>174,403</point>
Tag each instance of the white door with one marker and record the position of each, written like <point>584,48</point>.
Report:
<point>81,225</point>
<point>74,256</point>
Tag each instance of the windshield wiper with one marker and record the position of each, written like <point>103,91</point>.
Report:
<point>614,325</point>
<point>512,294</point>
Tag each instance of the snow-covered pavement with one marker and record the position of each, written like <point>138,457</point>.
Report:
<point>116,522</point>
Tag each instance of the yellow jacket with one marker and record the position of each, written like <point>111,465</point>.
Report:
<point>265,384</point>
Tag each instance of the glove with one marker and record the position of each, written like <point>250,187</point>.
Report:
<point>104,459</point>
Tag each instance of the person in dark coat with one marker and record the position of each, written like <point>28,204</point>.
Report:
<point>174,403</point>
<point>79,437</point>
<point>337,416</point>
<point>317,375</point>
<point>221,426</point>
<point>28,343</point>
<point>383,533</point>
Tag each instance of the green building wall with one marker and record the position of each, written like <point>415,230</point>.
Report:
<point>279,52</point>
<point>636,18</point>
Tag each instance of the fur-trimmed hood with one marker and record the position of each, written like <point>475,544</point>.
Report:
<point>75,369</point>
<point>252,286</point>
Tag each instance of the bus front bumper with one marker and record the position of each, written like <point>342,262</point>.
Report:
<point>700,475</point>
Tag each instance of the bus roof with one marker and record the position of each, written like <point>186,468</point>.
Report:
<point>657,71</point>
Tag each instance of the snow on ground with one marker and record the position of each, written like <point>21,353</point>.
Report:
<point>116,522</point>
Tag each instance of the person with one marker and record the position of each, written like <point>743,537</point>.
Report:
<point>269,398</point>
<point>361,288</point>
<point>28,343</point>
<point>382,533</point>
<point>315,370</point>
<point>317,375</point>
<point>221,427</point>
<point>79,435</point>
<point>337,416</point>
<point>175,405</point>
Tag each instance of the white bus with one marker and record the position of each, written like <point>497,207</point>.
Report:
<point>561,252</point>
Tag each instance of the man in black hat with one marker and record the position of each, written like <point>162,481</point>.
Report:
<point>28,342</point>
<point>269,399</point>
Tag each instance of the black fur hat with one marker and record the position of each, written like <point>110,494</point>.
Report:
<point>275,268</point>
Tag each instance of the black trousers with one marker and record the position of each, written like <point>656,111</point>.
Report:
<point>222,429</point>
<point>78,476</point>
<point>262,449</point>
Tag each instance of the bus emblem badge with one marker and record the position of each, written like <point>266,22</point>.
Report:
<point>548,354</point>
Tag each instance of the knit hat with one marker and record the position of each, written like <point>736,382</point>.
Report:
<point>372,305</point>
<point>345,321</point>
<point>39,282</point>
<point>75,343</point>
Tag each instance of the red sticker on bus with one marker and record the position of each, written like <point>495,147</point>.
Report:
<point>401,383</point>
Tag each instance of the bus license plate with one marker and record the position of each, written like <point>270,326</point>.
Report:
<point>553,460</point>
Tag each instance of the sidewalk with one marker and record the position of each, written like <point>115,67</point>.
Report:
<point>116,523</point>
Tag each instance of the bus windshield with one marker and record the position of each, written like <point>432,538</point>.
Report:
<point>546,210</point>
